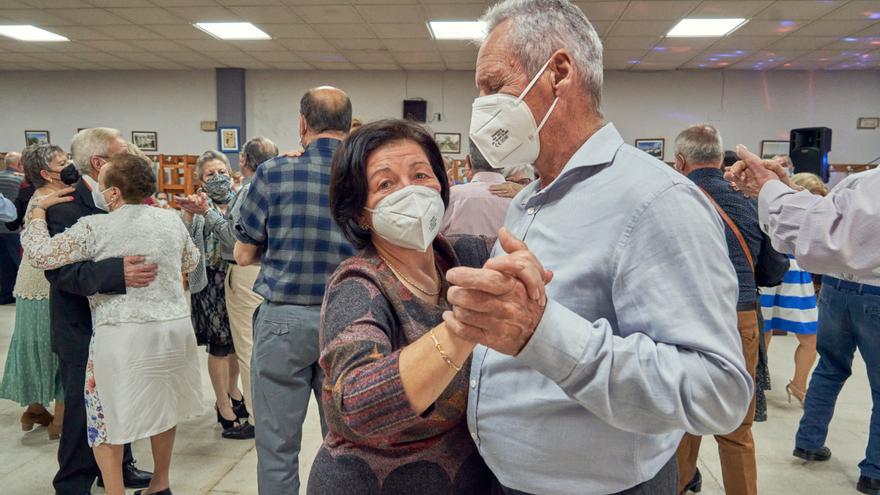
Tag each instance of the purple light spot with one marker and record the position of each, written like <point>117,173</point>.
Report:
<point>873,15</point>
<point>787,23</point>
<point>659,48</point>
<point>713,59</point>
<point>739,52</point>
<point>633,62</point>
<point>701,65</point>
<point>850,40</point>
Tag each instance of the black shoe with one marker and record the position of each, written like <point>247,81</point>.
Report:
<point>132,477</point>
<point>820,454</point>
<point>868,485</point>
<point>244,431</point>
<point>239,408</point>
<point>226,423</point>
<point>696,484</point>
<point>166,491</point>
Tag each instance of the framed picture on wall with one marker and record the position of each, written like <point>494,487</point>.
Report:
<point>145,140</point>
<point>771,148</point>
<point>229,142</point>
<point>655,147</point>
<point>868,123</point>
<point>448,142</point>
<point>36,137</point>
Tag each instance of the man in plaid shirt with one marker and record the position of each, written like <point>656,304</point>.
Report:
<point>285,224</point>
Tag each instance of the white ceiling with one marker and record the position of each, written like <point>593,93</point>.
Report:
<point>392,35</point>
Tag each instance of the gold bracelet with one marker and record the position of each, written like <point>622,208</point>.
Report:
<point>443,353</point>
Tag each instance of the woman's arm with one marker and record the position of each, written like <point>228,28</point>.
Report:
<point>48,253</point>
<point>191,254</point>
<point>373,389</point>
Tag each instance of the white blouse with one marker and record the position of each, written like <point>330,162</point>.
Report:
<point>30,283</point>
<point>131,230</point>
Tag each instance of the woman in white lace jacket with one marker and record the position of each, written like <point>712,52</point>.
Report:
<point>142,377</point>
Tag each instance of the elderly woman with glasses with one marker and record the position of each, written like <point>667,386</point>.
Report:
<point>396,379</point>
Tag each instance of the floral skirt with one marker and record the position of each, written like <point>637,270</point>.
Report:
<point>31,375</point>
<point>209,315</point>
<point>141,380</point>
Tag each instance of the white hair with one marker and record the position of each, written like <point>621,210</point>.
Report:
<point>700,145</point>
<point>525,169</point>
<point>540,27</point>
<point>87,143</point>
<point>210,156</point>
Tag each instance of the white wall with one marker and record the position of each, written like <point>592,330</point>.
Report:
<point>171,103</point>
<point>746,106</point>
<point>273,99</point>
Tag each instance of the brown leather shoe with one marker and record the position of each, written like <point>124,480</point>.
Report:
<point>29,419</point>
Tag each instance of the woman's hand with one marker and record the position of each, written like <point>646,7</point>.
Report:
<point>56,197</point>
<point>506,189</point>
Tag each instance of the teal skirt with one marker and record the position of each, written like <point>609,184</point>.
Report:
<point>31,374</point>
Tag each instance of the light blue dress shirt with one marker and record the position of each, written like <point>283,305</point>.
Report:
<point>7,210</point>
<point>638,342</point>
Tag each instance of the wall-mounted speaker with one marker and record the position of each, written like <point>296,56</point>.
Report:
<point>808,150</point>
<point>416,110</point>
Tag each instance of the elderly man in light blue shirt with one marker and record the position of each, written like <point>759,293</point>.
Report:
<point>7,209</point>
<point>588,389</point>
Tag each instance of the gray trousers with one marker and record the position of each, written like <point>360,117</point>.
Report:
<point>284,373</point>
<point>664,483</point>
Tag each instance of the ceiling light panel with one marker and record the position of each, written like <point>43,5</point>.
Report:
<point>30,33</point>
<point>705,27</point>
<point>457,30</point>
<point>233,30</point>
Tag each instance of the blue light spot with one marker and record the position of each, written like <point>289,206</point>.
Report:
<point>659,48</point>
<point>787,23</point>
<point>850,40</point>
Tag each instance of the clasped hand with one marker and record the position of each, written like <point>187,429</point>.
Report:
<point>501,304</point>
<point>751,172</point>
<point>194,204</point>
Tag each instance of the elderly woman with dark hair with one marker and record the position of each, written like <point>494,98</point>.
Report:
<point>396,385</point>
<point>142,375</point>
<point>31,376</point>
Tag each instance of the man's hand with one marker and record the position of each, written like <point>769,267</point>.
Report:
<point>506,189</point>
<point>137,273</point>
<point>501,304</point>
<point>751,173</point>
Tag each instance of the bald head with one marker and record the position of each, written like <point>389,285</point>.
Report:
<point>325,109</point>
<point>12,161</point>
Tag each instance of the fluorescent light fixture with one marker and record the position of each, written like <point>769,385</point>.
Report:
<point>457,30</point>
<point>705,27</point>
<point>233,30</point>
<point>30,33</point>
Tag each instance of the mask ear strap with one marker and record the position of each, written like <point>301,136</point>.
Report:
<point>533,81</point>
<point>547,115</point>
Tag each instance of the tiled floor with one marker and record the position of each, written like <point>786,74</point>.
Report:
<point>206,464</point>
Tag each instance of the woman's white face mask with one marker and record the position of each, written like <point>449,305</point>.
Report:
<point>504,129</point>
<point>410,217</point>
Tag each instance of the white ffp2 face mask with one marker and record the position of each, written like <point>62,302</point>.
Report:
<point>504,129</point>
<point>410,217</point>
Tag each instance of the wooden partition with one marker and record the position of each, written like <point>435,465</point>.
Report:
<point>175,176</point>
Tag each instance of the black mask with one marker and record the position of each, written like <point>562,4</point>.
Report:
<point>69,175</point>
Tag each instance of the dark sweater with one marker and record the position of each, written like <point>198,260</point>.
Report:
<point>770,266</point>
<point>376,443</point>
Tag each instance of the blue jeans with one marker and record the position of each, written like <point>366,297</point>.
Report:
<point>284,374</point>
<point>847,321</point>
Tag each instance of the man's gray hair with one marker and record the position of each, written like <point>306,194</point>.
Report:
<point>700,145</point>
<point>87,143</point>
<point>525,168</point>
<point>258,150</point>
<point>478,161</point>
<point>540,27</point>
<point>10,159</point>
<point>210,156</point>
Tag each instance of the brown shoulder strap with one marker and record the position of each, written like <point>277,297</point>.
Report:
<point>733,227</point>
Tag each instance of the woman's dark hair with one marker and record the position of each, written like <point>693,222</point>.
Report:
<point>133,176</point>
<point>348,177</point>
<point>35,158</point>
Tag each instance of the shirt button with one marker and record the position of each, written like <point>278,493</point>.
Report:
<point>531,211</point>
<point>473,383</point>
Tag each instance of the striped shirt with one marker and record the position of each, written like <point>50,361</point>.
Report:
<point>287,212</point>
<point>10,183</point>
<point>791,306</point>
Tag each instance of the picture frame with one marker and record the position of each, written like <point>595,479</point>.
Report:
<point>868,123</point>
<point>145,140</point>
<point>36,137</point>
<point>228,139</point>
<point>655,147</point>
<point>448,142</point>
<point>773,147</point>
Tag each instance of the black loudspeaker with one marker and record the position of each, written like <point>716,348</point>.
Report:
<point>808,150</point>
<point>415,110</point>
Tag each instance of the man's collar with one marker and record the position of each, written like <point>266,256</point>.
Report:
<point>324,142</point>
<point>706,172</point>
<point>598,149</point>
<point>488,178</point>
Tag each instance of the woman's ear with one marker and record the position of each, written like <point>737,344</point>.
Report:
<point>363,222</point>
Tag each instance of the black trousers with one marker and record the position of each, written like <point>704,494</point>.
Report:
<point>77,468</point>
<point>664,483</point>
<point>10,258</point>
